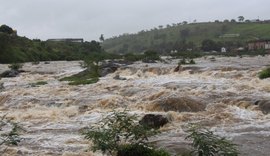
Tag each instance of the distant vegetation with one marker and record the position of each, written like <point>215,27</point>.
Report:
<point>194,37</point>
<point>14,48</point>
<point>265,73</point>
<point>178,40</point>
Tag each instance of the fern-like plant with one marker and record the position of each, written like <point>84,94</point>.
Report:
<point>116,130</point>
<point>206,143</point>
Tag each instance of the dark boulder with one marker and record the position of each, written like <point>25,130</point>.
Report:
<point>177,104</point>
<point>178,68</point>
<point>108,68</point>
<point>10,73</point>
<point>153,121</point>
<point>264,106</point>
<point>117,77</point>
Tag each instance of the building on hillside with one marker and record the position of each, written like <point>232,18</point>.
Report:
<point>229,36</point>
<point>259,44</point>
<point>223,50</point>
<point>77,40</point>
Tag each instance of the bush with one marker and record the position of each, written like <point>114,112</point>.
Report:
<point>132,57</point>
<point>39,83</point>
<point>6,29</point>
<point>15,66</point>
<point>192,61</point>
<point>11,135</point>
<point>140,150</point>
<point>206,143</point>
<point>265,73</point>
<point>184,61</point>
<point>150,56</point>
<point>119,132</point>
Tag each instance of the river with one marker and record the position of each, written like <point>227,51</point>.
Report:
<point>218,94</point>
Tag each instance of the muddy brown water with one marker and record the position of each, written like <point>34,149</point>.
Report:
<point>53,114</point>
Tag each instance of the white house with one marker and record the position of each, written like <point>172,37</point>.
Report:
<point>223,50</point>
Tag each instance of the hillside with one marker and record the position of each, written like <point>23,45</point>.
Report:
<point>14,48</point>
<point>188,36</point>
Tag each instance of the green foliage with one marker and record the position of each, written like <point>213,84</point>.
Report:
<point>140,150</point>
<point>11,136</point>
<point>15,66</point>
<point>206,143</point>
<point>172,38</point>
<point>191,61</point>
<point>117,130</point>
<point>85,77</point>
<point>6,29</point>
<point>21,49</point>
<point>39,83</point>
<point>184,61</point>
<point>150,56</point>
<point>132,57</point>
<point>265,73</point>
<point>209,45</point>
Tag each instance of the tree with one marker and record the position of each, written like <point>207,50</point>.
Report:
<point>184,33</point>
<point>233,20</point>
<point>117,130</point>
<point>241,18</point>
<point>101,38</point>
<point>6,29</point>
<point>208,45</point>
<point>185,22</point>
<point>206,143</point>
<point>160,26</point>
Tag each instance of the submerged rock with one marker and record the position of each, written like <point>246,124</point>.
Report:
<point>108,68</point>
<point>177,104</point>
<point>153,120</point>
<point>10,73</point>
<point>264,106</point>
<point>117,77</point>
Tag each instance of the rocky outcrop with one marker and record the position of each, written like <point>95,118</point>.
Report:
<point>10,73</point>
<point>108,68</point>
<point>153,121</point>
<point>117,77</point>
<point>177,104</point>
<point>264,106</point>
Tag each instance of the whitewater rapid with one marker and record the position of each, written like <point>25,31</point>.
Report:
<point>54,113</point>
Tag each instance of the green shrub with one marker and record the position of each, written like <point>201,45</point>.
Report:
<point>184,61</point>
<point>11,136</point>
<point>39,83</point>
<point>206,143</point>
<point>150,56</point>
<point>132,57</point>
<point>265,73</point>
<point>15,66</point>
<point>117,130</point>
<point>140,150</point>
<point>191,61</point>
<point>84,77</point>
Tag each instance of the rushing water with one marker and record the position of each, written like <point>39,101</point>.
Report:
<point>53,114</point>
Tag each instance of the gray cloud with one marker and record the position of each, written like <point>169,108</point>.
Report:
<point>89,18</point>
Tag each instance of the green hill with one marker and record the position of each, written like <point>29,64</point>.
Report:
<point>14,48</point>
<point>188,36</point>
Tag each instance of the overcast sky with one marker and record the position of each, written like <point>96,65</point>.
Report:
<point>89,18</point>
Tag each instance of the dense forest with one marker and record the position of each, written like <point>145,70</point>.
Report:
<point>14,48</point>
<point>190,37</point>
